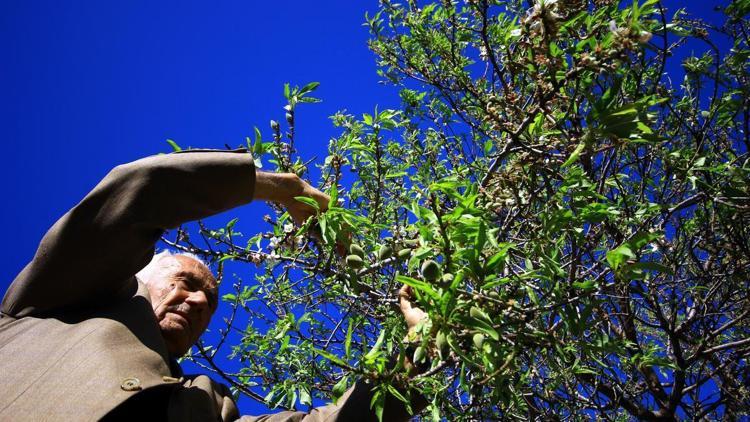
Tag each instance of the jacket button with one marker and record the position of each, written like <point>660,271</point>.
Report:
<point>131,384</point>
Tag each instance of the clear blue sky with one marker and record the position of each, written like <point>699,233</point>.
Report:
<point>87,85</point>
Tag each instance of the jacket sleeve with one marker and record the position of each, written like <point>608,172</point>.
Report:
<point>91,254</point>
<point>354,406</point>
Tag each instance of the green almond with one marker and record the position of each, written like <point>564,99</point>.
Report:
<point>476,313</point>
<point>478,340</point>
<point>441,342</point>
<point>419,354</point>
<point>404,253</point>
<point>430,270</point>
<point>354,261</point>
<point>355,249</point>
<point>412,243</point>
<point>385,252</point>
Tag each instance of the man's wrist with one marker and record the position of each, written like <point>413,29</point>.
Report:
<point>277,187</point>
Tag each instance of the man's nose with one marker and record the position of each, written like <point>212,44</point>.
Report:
<point>197,300</point>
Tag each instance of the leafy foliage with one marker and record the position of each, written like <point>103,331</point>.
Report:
<point>574,224</point>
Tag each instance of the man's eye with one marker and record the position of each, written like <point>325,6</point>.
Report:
<point>184,285</point>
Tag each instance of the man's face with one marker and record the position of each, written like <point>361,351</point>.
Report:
<point>183,295</point>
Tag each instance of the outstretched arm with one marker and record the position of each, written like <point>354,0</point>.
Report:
<point>89,256</point>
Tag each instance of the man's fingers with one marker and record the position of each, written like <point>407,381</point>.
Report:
<point>321,198</point>
<point>405,297</point>
<point>315,231</point>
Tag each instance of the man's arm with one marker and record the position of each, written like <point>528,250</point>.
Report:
<point>90,255</point>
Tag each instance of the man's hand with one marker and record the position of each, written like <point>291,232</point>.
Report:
<point>283,188</point>
<point>412,315</point>
<point>299,211</point>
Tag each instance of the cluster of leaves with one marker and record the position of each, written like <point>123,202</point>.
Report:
<point>574,225</point>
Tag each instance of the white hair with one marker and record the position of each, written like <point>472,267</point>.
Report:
<point>146,272</point>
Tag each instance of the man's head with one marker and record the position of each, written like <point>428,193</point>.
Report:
<point>184,297</point>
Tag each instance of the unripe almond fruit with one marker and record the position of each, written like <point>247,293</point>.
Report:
<point>430,270</point>
<point>476,313</point>
<point>354,262</point>
<point>441,341</point>
<point>419,354</point>
<point>412,243</point>
<point>478,340</point>
<point>355,249</point>
<point>385,252</point>
<point>404,253</point>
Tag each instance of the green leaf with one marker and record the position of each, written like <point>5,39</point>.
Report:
<point>482,323</point>
<point>375,351</point>
<point>420,285</point>
<point>348,341</point>
<point>653,266</point>
<point>258,145</point>
<point>308,201</point>
<point>616,257</point>
<point>333,358</point>
<point>304,395</point>
<point>584,285</point>
<point>339,388</point>
<point>377,403</point>
<point>576,153</point>
<point>738,8</point>
<point>309,88</point>
<point>641,239</point>
<point>488,145</point>
<point>481,238</point>
<point>174,145</point>
<point>226,257</point>
<point>397,394</point>
<point>367,119</point>
<point>333,195</point>
<point>499,257</point>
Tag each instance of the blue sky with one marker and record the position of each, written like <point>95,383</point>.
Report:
<point>87,85</point>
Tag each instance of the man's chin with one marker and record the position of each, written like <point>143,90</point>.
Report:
<point>176,337</point>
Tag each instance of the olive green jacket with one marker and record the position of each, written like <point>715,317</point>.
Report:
<point>78,336</point>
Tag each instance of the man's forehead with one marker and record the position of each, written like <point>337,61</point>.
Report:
<point>190,267</point>
<point>189,264</point>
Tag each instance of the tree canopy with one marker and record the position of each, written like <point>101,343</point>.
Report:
<point>571,214</point>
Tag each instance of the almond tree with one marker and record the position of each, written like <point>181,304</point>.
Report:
<point>568,204</point>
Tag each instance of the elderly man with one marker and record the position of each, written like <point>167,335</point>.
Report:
<point>91,327</point>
